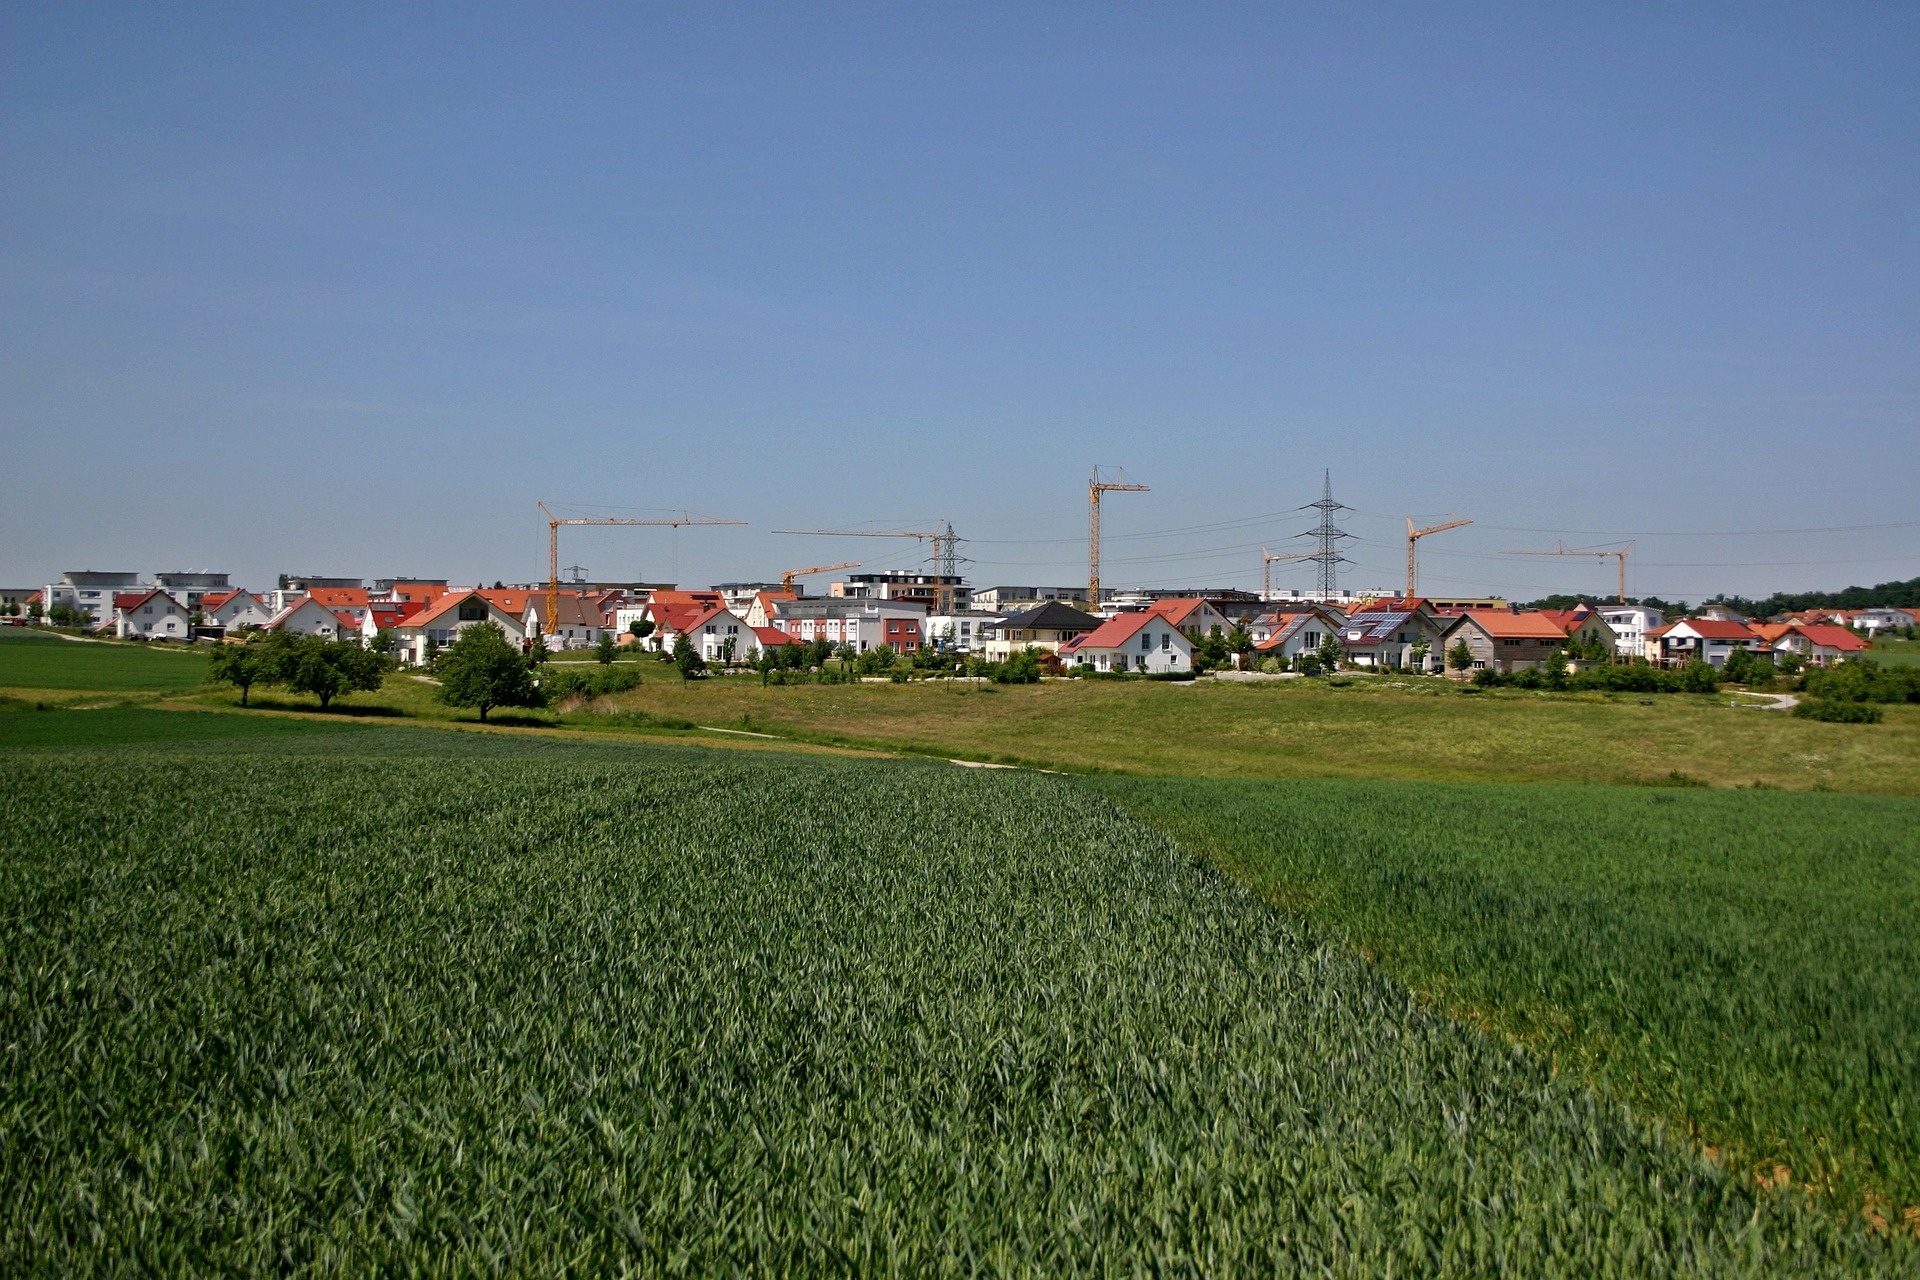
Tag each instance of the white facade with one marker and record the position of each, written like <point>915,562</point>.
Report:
<point>1874,621</point>
<point>1155,647</point>
<point>242,610</point>
<point>712,634</point>
<point>960,631</point>
<point>1630,623</point>
<point>309,619</point>
<point>155,616</point>
<point>443,623</point>
<point>89,589</point>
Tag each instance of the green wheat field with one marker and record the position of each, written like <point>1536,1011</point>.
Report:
<point>404,1000</point>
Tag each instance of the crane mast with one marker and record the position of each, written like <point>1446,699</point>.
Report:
<point>1561,549</point>
<point>553,545</point>
<point>1116,483</point>
<point>1414,535</point>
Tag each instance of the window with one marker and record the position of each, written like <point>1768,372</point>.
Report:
<point>1146,644</point>
<point>1166,643</point>
<point>148,609</point>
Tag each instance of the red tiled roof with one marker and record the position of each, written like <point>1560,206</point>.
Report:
<point>1114,632</point>
<point>511,600</point>
<point>1831,636</point>
<point>1177,610</point>
<point>1502,625</point>
<point>339,597</point>
<point>132,599</point>
<point>417,592</point>
<point>452,600</point>
<point>1713,629</point>
<point>773,636</point>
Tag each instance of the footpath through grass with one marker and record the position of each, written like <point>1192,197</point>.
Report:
<point>392,1001</point>
<point>1741,964</point>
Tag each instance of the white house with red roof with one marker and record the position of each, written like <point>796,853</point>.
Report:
<point>1819,643</point>
<point>1708,640</point>
<point>150,615</point>
<point>1192,615</point>
<point>385,615</point>
<point>1146,642</point>
<point>307,617</point>
<point>234,610</point>
<point>721,635</point>
<point>442,622</point>
<point>349,602</point>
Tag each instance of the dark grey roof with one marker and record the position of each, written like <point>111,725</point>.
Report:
<point>1051,616</point>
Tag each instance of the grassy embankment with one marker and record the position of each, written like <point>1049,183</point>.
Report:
<point>484,1001</point>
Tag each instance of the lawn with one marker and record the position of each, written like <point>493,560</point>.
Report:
<point>1738,963</point>
<point>403,1001</point>
<point>1895,651</point>
<point>36,661</point>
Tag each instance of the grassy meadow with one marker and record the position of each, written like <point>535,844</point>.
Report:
<point>35,662</point>
<point>379,1000</point>
<point>1737,963</point>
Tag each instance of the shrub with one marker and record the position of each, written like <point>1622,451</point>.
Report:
<point>1839,712</point>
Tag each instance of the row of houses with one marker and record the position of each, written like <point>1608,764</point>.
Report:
<point>1154,634</point>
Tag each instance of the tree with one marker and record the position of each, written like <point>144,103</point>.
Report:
<point>1557,669</point>
<point>1738,663</point>
<point>1331,652</point>
<point>430,657</point>
<point>1240,643</point>
<point>875,661</point>
<point>1020,668</point>
<point>34,612</point>
<point>603,651</point>
<point>240,665</point>
<point>328,669</point>
<point>537,651</point>
<point>1460,657</point>
<point>382,641</point>
<point>640,628</point>
<point>1418,651</point>
<point>687,658</point>
<point>482,669</point>
<point>726,649</point>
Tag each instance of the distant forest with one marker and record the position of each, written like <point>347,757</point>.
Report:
<point>1899,595</point>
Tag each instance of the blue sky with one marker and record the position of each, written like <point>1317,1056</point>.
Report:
<point>347,290</point>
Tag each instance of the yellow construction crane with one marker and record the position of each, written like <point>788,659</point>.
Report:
<point>1414,535</point>
<point>945,543</point>
<point>553,546</point>
<point>1266,567</point>
<point>786,579</point>
<point>1095,487</point>
<point>1562,550</point>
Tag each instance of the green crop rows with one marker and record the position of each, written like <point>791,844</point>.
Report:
<point>1741,963</point>
<point>369,1002</point>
